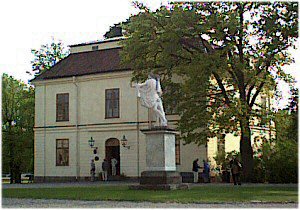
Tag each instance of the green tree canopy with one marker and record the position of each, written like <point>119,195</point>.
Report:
<point>224,55</point>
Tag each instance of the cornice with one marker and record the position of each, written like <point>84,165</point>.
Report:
<point>85,78</point>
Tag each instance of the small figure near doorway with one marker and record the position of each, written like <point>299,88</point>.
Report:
<point>236,169</point>
<point>114,163</point>
<point>105,167</point>
<point>195,170</point>
<point>93,169</point>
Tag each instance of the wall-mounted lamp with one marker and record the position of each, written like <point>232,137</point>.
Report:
<point>124,142</point>
<point>91,142</point>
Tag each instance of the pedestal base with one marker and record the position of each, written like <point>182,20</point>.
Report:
<point>160,171</point>
<point>160,177</point>
<point>160,180</point>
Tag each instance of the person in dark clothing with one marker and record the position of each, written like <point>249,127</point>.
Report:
<point>195,170</point>
<point>206,171</point>
<point>105,167</point>
<point>236,169</point>
<point>93,169</point>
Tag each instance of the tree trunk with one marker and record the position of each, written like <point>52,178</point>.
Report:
<point>11,152</point>
<point>246,151</point>
<point>17,174</point>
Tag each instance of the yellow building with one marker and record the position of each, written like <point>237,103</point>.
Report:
<point>88,95</point>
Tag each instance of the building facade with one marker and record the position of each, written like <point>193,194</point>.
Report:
<point>88,95</point>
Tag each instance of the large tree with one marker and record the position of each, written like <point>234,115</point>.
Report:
<point>224,56</point>
<point>17,127</point>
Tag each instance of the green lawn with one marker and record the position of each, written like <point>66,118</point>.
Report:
<point>201,194</point>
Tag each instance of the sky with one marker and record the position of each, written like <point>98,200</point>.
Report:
<point>27,25</point>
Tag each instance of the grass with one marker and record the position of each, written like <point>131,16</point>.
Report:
<point>201,194</point>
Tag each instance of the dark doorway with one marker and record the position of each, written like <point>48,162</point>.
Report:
<point>112,150</point>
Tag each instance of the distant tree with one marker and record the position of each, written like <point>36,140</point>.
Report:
<point>47,56</point>
<point>17,127</point>
<point>226,54</point>
<point>286,120</point>
<point>293,100</point>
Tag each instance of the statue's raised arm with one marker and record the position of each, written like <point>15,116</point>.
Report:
<point>149,93</point>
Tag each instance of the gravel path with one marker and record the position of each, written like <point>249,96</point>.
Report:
<point>53,203</point>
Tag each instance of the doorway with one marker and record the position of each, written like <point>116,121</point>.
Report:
<point>112,150</point>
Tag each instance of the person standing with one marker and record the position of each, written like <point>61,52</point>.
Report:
<point>236,169</point>
<point>93,169</point>
<point>195,170</point>
<point>206,171</point>
<point>114,163</point>
<point>105,167</point>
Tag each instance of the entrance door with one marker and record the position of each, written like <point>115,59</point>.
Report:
<point>112,150</point>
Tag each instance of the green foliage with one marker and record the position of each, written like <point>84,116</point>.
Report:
<point>283,164</point>
<point>17,126</point>
<point>224,54</point>
<point>286,125</point>
<point>220,158</point>
<point>223,158</point>
<point>276,162</point>
<point>209,194</point>
<point>47,56</point>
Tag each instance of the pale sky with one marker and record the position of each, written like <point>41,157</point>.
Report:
<point>28,24</point>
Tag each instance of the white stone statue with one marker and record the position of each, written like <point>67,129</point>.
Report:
<point>149,93</point>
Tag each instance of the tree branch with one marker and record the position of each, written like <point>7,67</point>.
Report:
<point>240,35</point>
<point>256,94</point>
<point>219,81</point>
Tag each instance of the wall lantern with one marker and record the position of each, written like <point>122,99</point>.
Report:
<point>91,142</point>
<point>124,142</point>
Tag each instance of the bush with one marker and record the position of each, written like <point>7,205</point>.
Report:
<point>283,164</point>
<point>259,171</point>
<point>276,162</point>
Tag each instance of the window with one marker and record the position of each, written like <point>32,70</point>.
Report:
<point>112,103</point>
<point>177,151</point>
<point>95,47</point>
<point>62,152</point>
<point>62,107</point>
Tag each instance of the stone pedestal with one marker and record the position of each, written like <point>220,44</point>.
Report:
<point>160,171</point>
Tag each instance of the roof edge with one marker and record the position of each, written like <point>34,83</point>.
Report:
<point>99,41</point>
<point>78,75</point>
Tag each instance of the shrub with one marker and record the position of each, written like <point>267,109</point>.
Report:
<point>283,164</point>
